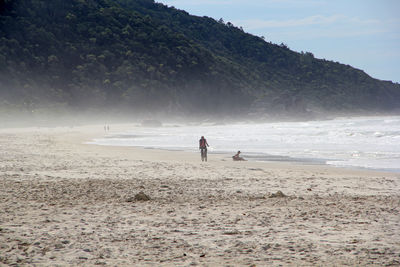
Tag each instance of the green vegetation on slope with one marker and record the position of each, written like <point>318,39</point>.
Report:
<point>146,56</point>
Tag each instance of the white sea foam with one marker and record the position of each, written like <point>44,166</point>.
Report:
<point>369,142</point>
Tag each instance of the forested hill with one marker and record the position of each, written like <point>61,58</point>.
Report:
<point>142,55</point>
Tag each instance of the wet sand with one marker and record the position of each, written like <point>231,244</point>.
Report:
<point>66,203</point>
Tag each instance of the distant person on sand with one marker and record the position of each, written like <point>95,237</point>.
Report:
<point>203,148</point>
<point>237,157</point>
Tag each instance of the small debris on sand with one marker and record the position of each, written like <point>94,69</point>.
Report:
<point>277,194</point>
<point>142,197</point>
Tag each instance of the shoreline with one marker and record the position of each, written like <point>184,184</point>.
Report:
<point>352,144</point>
<point>225,156</point>
<point>63,202</point>
<point>83,135</point>
<point>307,162</point>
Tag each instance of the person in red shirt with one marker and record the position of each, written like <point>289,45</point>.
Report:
<point>203,148</point>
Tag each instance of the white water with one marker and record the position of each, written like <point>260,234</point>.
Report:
<point>367,142</point>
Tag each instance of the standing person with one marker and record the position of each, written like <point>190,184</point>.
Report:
<point>203,148</point>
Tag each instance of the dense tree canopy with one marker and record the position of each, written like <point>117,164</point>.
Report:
<point>144,55</point>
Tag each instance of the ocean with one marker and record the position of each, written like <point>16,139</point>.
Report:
<point>357,142</point>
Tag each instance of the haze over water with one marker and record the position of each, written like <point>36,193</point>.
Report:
<point>362,142</point>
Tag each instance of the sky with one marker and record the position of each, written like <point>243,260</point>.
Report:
<point>362,33</point>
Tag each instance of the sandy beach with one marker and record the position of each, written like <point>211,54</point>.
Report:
<point>67,203</point>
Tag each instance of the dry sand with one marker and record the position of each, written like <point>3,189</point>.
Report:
<point>66,203</point>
